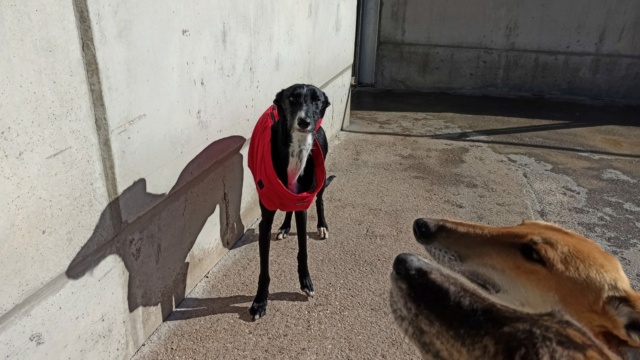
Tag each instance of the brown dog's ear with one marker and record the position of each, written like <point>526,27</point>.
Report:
<point>626,312</point>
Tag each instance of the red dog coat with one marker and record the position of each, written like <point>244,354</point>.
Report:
<point>271,191</point>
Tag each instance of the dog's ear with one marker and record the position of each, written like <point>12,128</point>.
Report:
<point>279,98</point>
<point>325,104</point>
<point>626,313</point>
<point>278,101</point>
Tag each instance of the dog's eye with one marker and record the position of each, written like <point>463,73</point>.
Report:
<point>529,252</point>
<point>292,99</point>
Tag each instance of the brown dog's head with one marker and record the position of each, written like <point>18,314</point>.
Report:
<point>537,267</point>
<point>448,317</point>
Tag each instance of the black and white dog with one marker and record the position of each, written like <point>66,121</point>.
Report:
<point>300,109</point>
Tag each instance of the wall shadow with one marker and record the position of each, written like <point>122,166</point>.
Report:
<point>154,247</point>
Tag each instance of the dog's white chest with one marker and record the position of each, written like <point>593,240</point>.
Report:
<point>301,144</point>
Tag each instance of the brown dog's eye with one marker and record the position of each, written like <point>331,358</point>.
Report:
<point>529,252</point>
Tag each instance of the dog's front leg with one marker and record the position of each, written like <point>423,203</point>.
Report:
<point>259,307</point>
<point>303,269</point>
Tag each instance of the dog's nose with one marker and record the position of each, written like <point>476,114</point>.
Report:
<point>424,230</point>
<point>303,123</point>
<point>405,263</point>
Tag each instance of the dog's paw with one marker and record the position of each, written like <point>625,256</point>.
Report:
<point>323,233</point>
<point>258,310</point>
<point>307,286</point>
<point>282,233</point>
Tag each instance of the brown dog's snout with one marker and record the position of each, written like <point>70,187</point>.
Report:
<point>425,230</point>
<point>405,263</point>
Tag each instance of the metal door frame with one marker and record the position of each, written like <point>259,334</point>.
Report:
<point>368,24</point>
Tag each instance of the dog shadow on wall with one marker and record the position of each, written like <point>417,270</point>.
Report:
<point>155,246</point>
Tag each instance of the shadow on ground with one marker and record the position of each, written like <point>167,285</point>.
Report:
<point>503,117</point>
<point>191,308</point>
<point>527,108</point>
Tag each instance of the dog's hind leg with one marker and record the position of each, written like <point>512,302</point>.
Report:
<point>259,307</point>
<point>303,269</point>
<point>323,228</point>
<point>284,229</point>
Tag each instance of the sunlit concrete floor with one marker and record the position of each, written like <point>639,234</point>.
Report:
<point>402,156</point>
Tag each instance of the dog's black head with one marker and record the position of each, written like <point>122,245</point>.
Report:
<point>301,106</point>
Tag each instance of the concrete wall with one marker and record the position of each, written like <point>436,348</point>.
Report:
<point>124,128</point>
<point>575,48</point>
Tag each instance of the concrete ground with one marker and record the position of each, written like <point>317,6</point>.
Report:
<point>403,156</point>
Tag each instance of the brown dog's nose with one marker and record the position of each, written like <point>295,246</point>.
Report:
<point>424,230</point>
<point>405,264</point>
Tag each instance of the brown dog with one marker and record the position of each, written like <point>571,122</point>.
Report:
<point>536,268</point>
<point>449,318</point>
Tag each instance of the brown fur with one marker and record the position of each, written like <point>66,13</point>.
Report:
<point>448,317</point>
<point>538,267</point>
